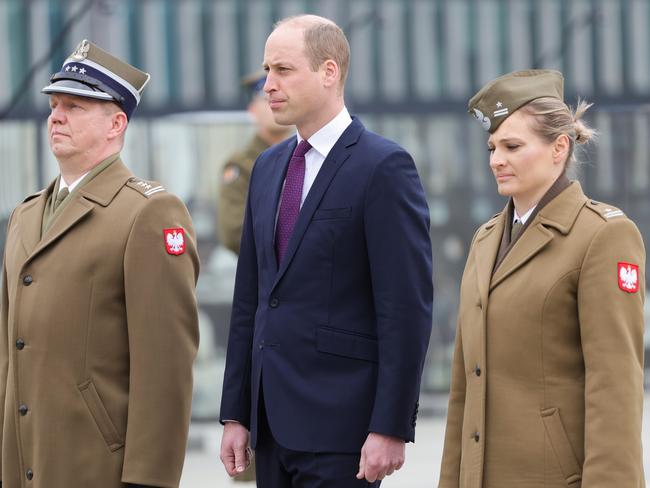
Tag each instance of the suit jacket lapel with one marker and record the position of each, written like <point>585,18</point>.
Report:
<point>337,156</point>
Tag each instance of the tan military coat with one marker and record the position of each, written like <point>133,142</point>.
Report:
<point>233,190</point>
<point>547,378</point>
<point>99,332</point>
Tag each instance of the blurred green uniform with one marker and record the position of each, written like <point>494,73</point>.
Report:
<point>233,190</point>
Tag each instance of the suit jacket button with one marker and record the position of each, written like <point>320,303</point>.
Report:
<point>29,474</point>
<point>27,280</point>
<point>477,436</point>
<point>274,303</point>
<point>20,344</point>
<point>23,410</point>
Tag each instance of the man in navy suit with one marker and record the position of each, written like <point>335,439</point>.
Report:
<point>332,307</point>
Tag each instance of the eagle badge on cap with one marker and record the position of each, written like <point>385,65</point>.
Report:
<point>628,277</point>
<point>485,121</point>
<point>82,50</point>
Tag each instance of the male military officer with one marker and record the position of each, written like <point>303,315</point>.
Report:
<point>237,171</point>
<point>99,319</point>
<point>332,306</point>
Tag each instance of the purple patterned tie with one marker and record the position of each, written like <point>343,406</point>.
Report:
<point>291,197</point>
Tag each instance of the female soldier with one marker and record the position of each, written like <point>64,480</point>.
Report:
<point>547,379</point>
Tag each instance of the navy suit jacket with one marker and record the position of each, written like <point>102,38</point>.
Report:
<point>337,334</point>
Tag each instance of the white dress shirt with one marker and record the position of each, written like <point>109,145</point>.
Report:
<point>516,218</point>
<point>73,185</point>
<point>322,143</point>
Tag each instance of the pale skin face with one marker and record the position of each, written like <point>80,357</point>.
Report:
<point>82,132</point>
<point>524,165</point>
<point>296,94</point>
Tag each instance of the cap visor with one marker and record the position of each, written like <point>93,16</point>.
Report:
<point>72,87</point>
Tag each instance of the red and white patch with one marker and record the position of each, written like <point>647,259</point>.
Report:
<point>174,241</point>
<point>628,277</point>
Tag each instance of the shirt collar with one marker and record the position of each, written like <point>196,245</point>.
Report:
<point>323,140</point>
<point>73,185</point>
<point>524,217</point>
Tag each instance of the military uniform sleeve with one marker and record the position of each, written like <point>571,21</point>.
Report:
<point>399,253</point>
<point>159,286</point>
<point>611,327</point>
<point>232,203</point>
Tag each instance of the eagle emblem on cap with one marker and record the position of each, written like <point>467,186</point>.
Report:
<point>485,121</point>
<point>82,50</point>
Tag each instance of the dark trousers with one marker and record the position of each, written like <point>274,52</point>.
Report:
<point>279,467</point>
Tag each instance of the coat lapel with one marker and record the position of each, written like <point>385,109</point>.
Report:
<point>560,214</point>
<point>337,156</point>
<point>486,248</point>
<point>100,190</point>
<point>31,219</point>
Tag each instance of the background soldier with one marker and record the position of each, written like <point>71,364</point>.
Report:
<point>237,171</point>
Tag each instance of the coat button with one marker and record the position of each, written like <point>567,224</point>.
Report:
<point>23,410</point>
<point>27,280</point>
<point>274,303</point>
<point>477,436</point>
<point>20,344</point>
<point>29,474</point>
<point>477,370</point>
<point>260,346</point>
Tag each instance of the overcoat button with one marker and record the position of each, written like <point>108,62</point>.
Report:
<point>27,280</point>
<point>477,370</point>
<point>274,303</point>
<point>477,437</point>
<point>29,474</point>
<point>23,410</point>
<point>261,345</point>
<point>20,344</point>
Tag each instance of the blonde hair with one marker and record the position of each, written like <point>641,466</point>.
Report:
<point>323,40</point>
<point>553,118</point>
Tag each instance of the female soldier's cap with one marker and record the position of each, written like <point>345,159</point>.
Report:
<point>497,100</point>
<point>92,72</point>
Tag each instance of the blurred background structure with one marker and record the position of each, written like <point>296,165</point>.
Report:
<point>414,65</point>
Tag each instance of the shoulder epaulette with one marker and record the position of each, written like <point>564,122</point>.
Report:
<point>605,210</point>
<point>146,188</point>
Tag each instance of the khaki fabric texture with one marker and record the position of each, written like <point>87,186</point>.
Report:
<point>233,193</point>
<point>498,99</point>
<point>547,376</point>
<point>108,325</point>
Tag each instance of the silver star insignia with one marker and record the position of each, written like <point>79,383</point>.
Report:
<point>82,71</point>
<point>74,68</point>
<point>67,68</point>
<point>499,105</point>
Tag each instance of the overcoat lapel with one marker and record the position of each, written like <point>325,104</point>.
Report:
<point>528,245</point>
<point>487,246</point>
<point>100,190</point>
<point>335,159</point>
<point>29,225</point>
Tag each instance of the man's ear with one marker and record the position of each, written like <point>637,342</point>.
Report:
<point>331,73</point>
<point>119,121</point>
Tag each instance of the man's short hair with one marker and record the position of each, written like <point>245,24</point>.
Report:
<point>323,40</point>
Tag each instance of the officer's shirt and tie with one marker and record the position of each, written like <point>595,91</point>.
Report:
<point>518,222</point>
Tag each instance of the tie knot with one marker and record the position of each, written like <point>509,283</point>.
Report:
<point>61,196</point>
<point>301,149</point>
